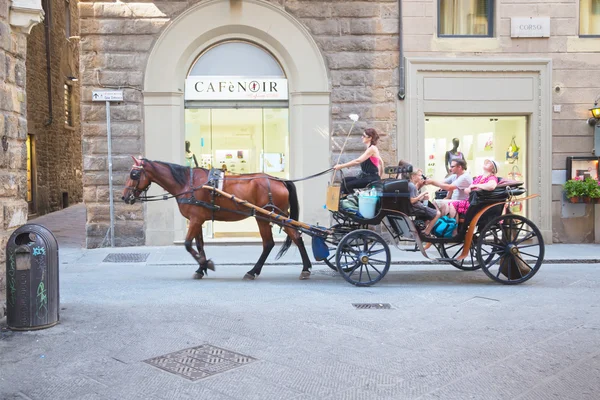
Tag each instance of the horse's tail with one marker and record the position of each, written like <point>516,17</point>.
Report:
<point>294,214</point>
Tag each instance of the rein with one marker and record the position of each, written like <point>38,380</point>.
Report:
<point>136,172</point>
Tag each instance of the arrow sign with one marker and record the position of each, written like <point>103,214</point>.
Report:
<point>107,95</point>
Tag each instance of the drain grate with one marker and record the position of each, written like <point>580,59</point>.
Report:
<point>126,257</point>
<point>200,362</point>
<point>372,306</point>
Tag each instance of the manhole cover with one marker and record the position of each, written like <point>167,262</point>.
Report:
<point>126,257</point>
<point>372,306</point>
<point>199,362</point>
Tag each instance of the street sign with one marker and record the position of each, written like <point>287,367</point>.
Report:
<point>107,95</point>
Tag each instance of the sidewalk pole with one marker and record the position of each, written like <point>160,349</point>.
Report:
<point>110,177</point>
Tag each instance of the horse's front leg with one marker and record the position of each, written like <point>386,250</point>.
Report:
<point>204,263</point>
<point>266,234</point>
<point>195,231</point>
<point>297,239</point>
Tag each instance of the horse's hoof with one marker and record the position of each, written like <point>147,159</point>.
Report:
<point>304,275</point>
<point>210,265</point>
<point>249,277</point>
<point>198,275</point>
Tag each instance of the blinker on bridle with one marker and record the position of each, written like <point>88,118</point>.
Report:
<point>135,175</point>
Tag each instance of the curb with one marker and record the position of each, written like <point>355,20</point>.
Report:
<point>552,261</point>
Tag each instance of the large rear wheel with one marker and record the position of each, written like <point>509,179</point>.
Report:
<point>510,249</point>
<point>363,257</point>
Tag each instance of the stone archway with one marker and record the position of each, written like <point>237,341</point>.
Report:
<point>173,54</point>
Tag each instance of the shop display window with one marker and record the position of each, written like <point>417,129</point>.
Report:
<point>502,139</point>
<point>239,141</point>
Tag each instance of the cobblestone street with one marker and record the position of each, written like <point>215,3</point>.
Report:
<point>448,335</point>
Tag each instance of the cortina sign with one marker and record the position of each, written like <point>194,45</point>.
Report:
<point>528,27</point>
<point>235,88</point>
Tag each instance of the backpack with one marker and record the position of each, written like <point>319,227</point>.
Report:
<point>350,203</point>
<point>444,227</point>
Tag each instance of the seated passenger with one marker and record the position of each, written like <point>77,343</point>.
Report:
<point>455,184</point>
<point>404,175</point>
<point>486,181</point>
<point>417,207</point>
<point>371,164</point>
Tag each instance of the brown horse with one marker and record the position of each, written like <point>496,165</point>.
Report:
<point>259,189</point>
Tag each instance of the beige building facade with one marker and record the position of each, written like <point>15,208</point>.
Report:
<point>467,74</point>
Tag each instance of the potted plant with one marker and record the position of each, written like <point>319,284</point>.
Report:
<point>593,187</point>
<point>576,189</point>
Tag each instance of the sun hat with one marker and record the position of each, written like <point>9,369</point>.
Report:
<point>495,171</point>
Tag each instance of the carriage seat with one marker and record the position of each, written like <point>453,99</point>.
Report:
<point>505,189</point>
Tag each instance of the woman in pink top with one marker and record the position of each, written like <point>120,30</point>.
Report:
<point>371,164</point>
<point>485,181</point>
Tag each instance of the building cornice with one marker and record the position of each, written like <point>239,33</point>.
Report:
<point>24,14</point>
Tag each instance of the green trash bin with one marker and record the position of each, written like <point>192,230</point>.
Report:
<point>32,296</point>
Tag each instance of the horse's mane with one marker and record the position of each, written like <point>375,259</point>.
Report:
<point>179,172</point>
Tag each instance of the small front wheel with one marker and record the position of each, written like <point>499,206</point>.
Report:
<point>510,249</point>
<point>363,257</point>
<point>339,231</point>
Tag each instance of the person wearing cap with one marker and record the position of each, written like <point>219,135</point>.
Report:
<point>486,181</point>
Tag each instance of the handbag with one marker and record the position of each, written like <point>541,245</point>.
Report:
<point>515,174</point>
<point>333,197</point>
<point>512,154</point>
<point>489,145</point>
<point>515,207</point>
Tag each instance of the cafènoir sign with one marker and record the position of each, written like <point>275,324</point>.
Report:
<point>235,88</point>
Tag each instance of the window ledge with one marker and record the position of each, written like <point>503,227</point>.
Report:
<point>465,43</point>
<point>24,14</point>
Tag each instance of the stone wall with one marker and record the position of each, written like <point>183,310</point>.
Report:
<point>359,40</point>
<point>57,157</point>
<point>13,130</point>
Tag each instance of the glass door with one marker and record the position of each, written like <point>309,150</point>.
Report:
<point>239,141</point>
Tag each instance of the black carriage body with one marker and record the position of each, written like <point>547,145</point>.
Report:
<point>394,197</point>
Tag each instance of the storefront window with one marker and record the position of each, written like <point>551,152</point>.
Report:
<point>237,119</point>
<point>465,17</point>
<point>589,17</point>
<point>502,139</point>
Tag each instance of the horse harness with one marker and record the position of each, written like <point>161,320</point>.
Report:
<point>216,179</point>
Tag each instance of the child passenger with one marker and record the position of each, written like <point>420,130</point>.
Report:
<point>418,208</point>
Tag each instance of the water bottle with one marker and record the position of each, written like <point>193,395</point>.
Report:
<point>373,192</point>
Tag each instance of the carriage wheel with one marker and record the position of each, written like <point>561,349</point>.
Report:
<point>517,249</point>
<point>339,231</point>
<point>469,263</point>
<point>363,257</point>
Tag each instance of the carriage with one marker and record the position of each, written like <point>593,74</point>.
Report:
<point>508,247</point>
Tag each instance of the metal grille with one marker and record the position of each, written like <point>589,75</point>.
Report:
<point>372,306</point>
<point>126,257</point>
<point>199,362</point>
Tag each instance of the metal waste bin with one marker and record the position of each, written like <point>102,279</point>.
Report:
<point>32,279</point>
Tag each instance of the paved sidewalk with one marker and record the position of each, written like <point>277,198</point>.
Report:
<point>68,226</point>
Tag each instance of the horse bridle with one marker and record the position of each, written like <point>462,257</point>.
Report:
<point>136,176</point>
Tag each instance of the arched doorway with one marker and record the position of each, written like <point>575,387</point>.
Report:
<point>237,118</point>
<point>203,27</point>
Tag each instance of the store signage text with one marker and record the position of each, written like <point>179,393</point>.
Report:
<point>528,27</point>
<point>234,88</point>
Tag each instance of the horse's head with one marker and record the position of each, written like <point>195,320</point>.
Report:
<point>137,183</point>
